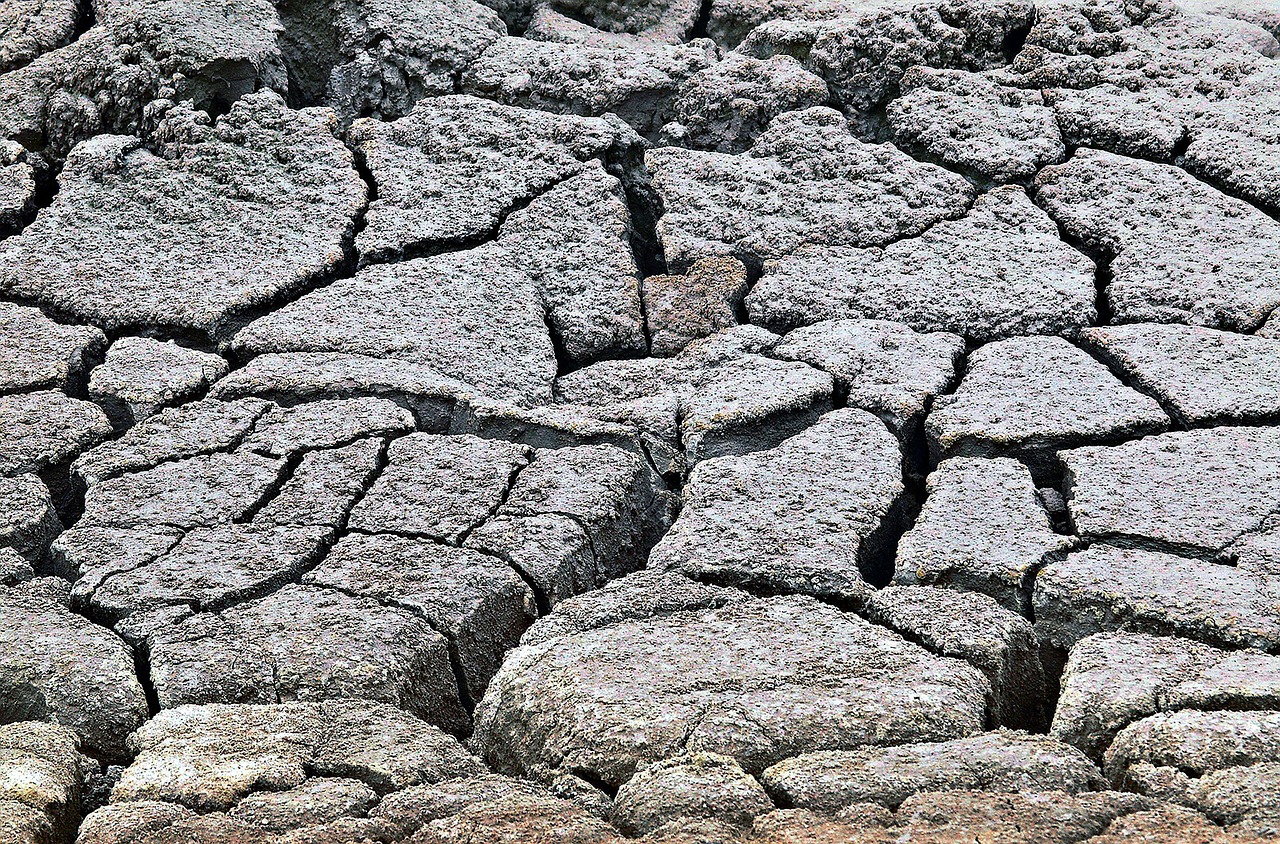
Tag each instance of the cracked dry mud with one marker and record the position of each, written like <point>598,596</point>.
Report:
<point>687,421</point>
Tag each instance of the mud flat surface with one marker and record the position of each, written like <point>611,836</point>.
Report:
<point>689,421</point>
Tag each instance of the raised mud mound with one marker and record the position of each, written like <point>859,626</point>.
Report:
<point>689,421</point>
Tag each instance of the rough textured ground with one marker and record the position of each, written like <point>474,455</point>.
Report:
<point>689,421</point>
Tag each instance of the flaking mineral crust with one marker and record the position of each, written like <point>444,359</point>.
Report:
<point>591,421</point>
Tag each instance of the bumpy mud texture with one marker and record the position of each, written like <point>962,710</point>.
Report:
<point>582,421</point>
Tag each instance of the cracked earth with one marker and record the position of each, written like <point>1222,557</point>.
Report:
<point>688,421</point>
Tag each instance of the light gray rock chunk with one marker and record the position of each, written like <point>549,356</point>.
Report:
<point>41,772</point>
<point>863,50</point>
<point>1051,816</point>
<point>14,568</point>
<point>57,666</point>
<point>636,80</point>
<point>211,568</point>
<point>1114,679</point>
<point>1192,58</point>
<point>812,515</point>
<point>667,21</point>
<point>285,431</point>
<point>881,366</point>
<point>1190,492</point>
<point>88,555</point>
<point>209,757</point>
<point>317,801</point>
<point>699,785</point>
<point>1247,795</point>
<point>806,180</point>
<point>1213,263</point>
<point>1000,762</point>
<point>1263,13</point>
<point>491,808</point>
<point>642,595</point>
<point>201,427</point>
<point>29,28</point>
<point>1032,395</point>
<point>305,643</point>
<point>574,241</point>
<point>468,315</point>
<point>104,251</point>
<point>1259,550</point>
<point>478,602</point>
<point>28,522</point>
<point>17,183</point>
<point>306,376</point>
<point>702,302</point>
<point>725,107</point>
<point>759,681</point>
<point>976,124</point>
<point>997,641</point>
<point>564,426</point>
<point>721,392</point>
<point>1195,742</point>
<point>981,529</point>
<point>621,505</point>
<point>1205,376</point>
<point>131,820</point>
<point>439,486</point>
<point>629,380</point>
<point>38,353</point>
<point>1142,124</point>
<point>748,404</point>
<point>1001,271</point>
<point>1106,589</point>
<point>141,51</point>
<point>325,486</point>
<point>548,24</point>
<point>45,430</point>
<point>480,160</point>
<point>553,552</point>
<point>203,490</point>
<point>379,57</point>
<point>141,376</point>
<point>1235,144</point>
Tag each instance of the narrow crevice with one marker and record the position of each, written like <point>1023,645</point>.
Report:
<point>540,598</point>
<point>46,190</point>
<point>221,335</point>
<point>643,291</point>
<point>142,667</point>
<point>701,22</point>
<point>878,552</point>
<point>1050,481</point>
<point>645,208</point>
<point>308,43</point>
<point>287,470</point>
<point>674,479</point>
<point>1016,39</point>
<point>564,363</point>
<point>512,477</point>
<point>1100,354</point>
<point>442,246</point>
<point>1102,278</point>
<point>86,18</point>
<point>1102,275</point>
<point>455,659</point>
<point>595,781</point>
<point>1027,583</point>
<point>727,580</point>
<point>66,491</point>
<point>755,272</point>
